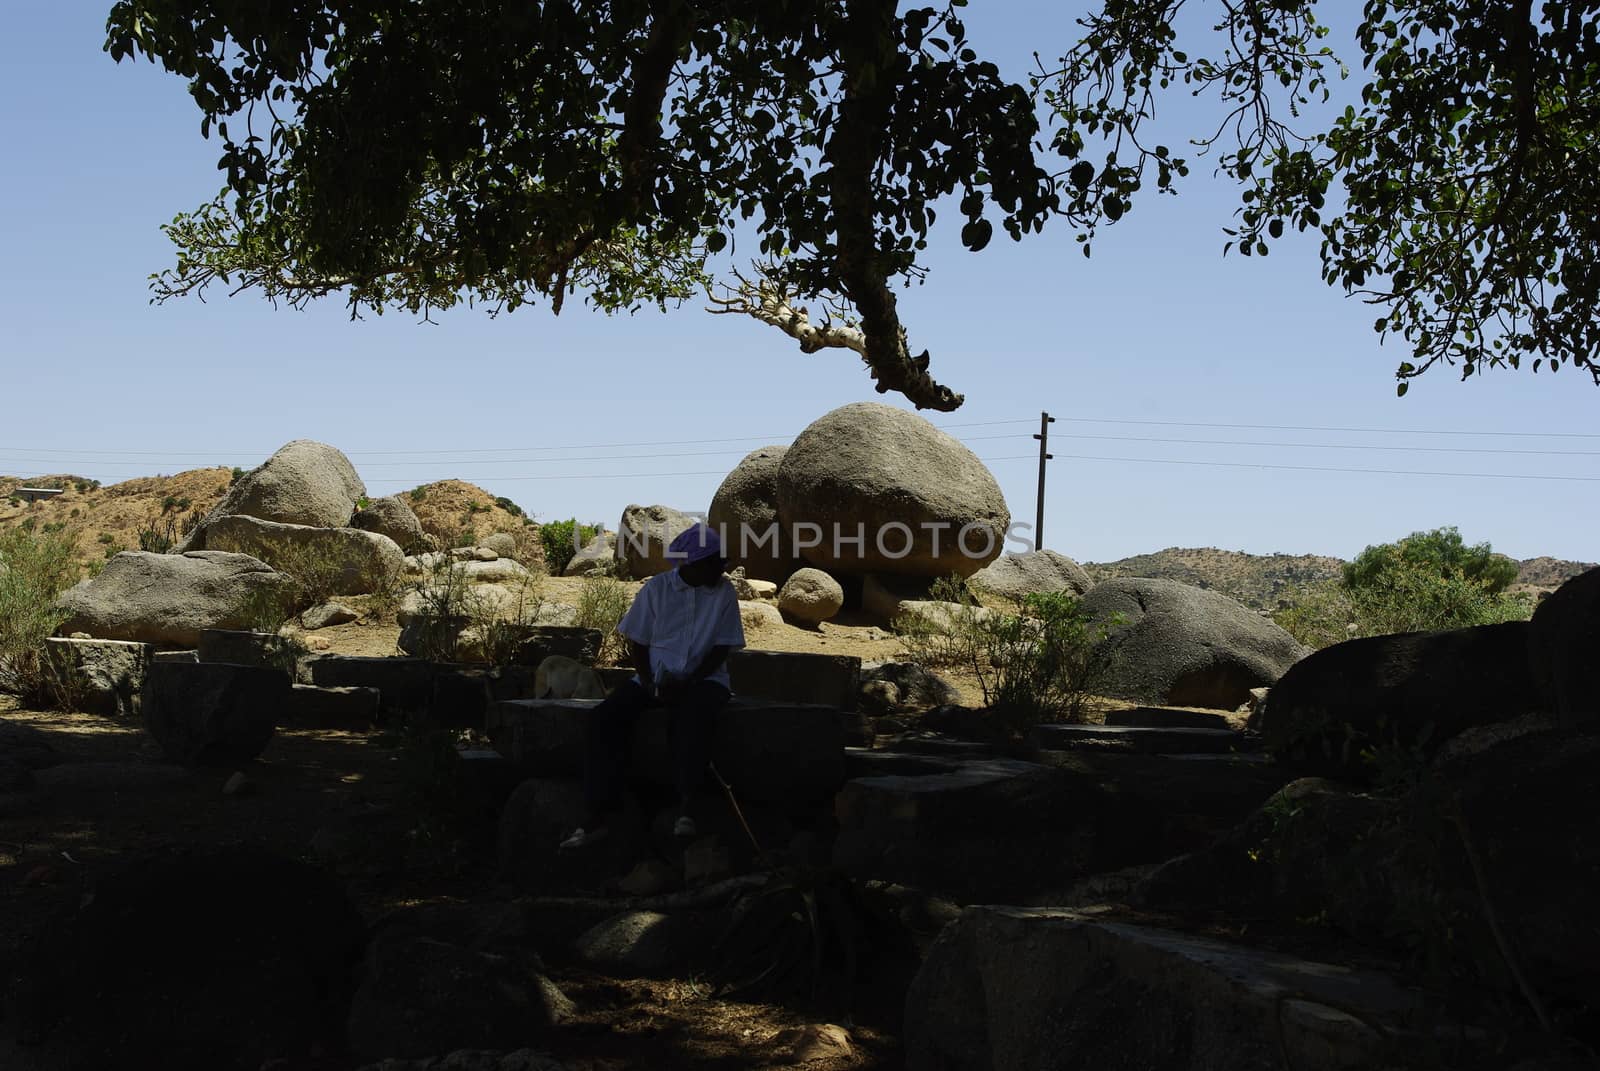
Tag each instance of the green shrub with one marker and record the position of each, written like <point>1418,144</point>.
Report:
<point>34,571</point>
<point>561,541</point>
<point>160,534</point>
<point>1043,665</point>
<point>235,475</point>
<point>509,506</point>
<point>949,634</point>
<point>1403,596</point>
<point>601,603</point>
<point>418,494</point>
<point>1441,552</point>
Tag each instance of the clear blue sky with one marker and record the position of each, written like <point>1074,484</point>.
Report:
<point>1157,327</point>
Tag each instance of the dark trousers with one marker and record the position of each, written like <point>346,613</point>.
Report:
<point>609,733</point>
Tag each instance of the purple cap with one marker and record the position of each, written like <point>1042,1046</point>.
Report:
<point>695,543</point>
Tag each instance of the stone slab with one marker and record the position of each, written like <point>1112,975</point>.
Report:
<point>348,709</point>
<point>404,684</point>
<point>794,677</point>
<point>1141,739</point>
<point>1167,718</point>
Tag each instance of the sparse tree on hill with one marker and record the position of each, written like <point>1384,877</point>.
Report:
<point>417,154</point>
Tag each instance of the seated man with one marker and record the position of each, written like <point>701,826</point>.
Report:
<point>680,629</point>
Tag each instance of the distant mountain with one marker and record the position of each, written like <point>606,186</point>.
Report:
<point>1260,580</point>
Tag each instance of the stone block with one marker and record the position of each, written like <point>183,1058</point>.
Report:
<point>542,641</point>
<point>100,676</point>
<point>1149,741</point>
<point>791,677</point>
<point>788,754</point>
<point>350,709</point>
<point>212,713</point>
<point>266,650</point>
<point>1168,718</point>
<point>404,684</point>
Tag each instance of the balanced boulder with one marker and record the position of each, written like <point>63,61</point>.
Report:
<point>744,511</point>
<point>1178,645</point>
<point>1415,689</point>
<point>392,517</point>
<point>1036,572</point>
<point>351,561</point>
<point>870,488</point>
<point>168,599</point>
<point>599,555</point>
<point>643,536</point>
<point>1562,643</point>
<point>305,482</point>
<point>810,596</point>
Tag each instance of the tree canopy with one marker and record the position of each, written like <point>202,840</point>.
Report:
<point>1441,552</point>
<point>416,153</point>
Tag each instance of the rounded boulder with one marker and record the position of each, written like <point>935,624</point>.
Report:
<point>392,517</point>
<point>1179,645</point>
<point>870,488</point>
<point>1036,572</point>
<point>305,482</point>
<point>811,596</point>
<point>744,511</point>
<point>643,536</point>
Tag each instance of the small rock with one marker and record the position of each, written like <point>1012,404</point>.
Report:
<point>811,596</point>
<point>327,615</point>
<point>319,643</point>
<point>485,554</point>
<point>818,1041</point>
<point>238,785</point>
<point>706,861</point>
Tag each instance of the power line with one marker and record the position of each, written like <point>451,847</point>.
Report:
<point>1363,431</point>
<point>1322,468</point>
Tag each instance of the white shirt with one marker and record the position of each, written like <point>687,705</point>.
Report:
<point>680,623</point>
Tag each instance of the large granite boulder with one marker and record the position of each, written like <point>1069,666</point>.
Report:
<point>168,599</point>
<point>920,501</point>
<point>744,511</point>
<point>1012,987</point>
<point>393,517</point>
<point>1562,645</point>
<point>212,713</point>
<point>1415,689</point>
<point>643,536</point>
<point>305,482</point>
<point>349,560</point>
<point>1036,572</point>
<point>599,555</point>
<point>1185,646</point>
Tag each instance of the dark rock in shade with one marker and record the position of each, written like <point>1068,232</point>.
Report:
<point>744,511</point>
<point>910,688</point>
<point>543,641</point>
<point>792,677</point>
<point>1007,987</point>
<point>1393,869</point>
<point>197,959</point>
<point>212,714</point>
<point>1036,572</point>
<point>1564,646</point>
<point>480,1060</point>
<point>350,709</point>
<point>865,468</point>
<point>26,747</point>
<point>99,676</point>
<point>648,944</point>
<point>406,684</point>
<point>1184,646</point>
<point>540,812</point>
<point>429,986</point>
<point>167,599</point>
<point>1167,718</point>
<point>1179,740</point>
<point>787,754</point>
<point>266,650</point>
<point>1416,689</point>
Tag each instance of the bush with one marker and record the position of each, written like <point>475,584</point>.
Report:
<point>1403,596</point>
<point>948,636</point>
<point>561,540</point>
<point>601,603</point>
<point>1441,552</point>
<point>34,571</point>
<point>1043,665</point>
<point>509,506</point>
<point>418,494</point>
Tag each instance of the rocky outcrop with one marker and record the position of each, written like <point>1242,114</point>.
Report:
<point>1182,646</point>
<point>349,560</point>
<point>393,517</point>
<point>1035,572</point>
<point>810,596</point>
<point>1416,690</point>
<point>305,482</point>
<point>903,687</point>
<point>922,502</point>
<point>99,676</point>
<point>744,511</point>
<point>643,536</point>
<point>599,555</point>
<point>168,599</point>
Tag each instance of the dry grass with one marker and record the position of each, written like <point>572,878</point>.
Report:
<point>449,507</point>
<point>104,520</point>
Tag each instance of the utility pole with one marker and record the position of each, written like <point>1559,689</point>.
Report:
<point>1045,420</point>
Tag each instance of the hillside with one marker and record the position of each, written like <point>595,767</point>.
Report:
<point>1260,580</point>
<point>109,519</point>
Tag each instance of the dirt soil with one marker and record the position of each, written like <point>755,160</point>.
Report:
<point>54,846</point>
